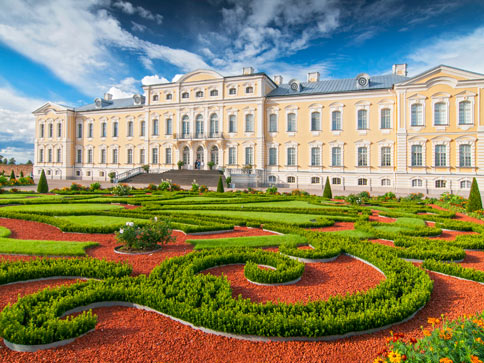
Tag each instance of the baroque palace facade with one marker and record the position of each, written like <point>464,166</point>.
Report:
<point>379,133</point>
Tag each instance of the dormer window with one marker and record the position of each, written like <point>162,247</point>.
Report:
<point>199,94</point>
<point>185,95</point>
<point>214,93</point>
<point>169,96</point>
<point>155,98</point>
<point>249,89</point>
<point>232,91</point>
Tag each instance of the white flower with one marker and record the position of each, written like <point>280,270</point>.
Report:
<point>130,224</point>
<point>121,230</point>
<point>156,219</point>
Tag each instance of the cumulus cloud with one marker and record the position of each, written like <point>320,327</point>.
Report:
<point>124,89</point>
<point>130,9</point>
<point>154,79</point>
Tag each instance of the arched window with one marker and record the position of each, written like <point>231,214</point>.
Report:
<point>465,184</point>
<point>386,182</point>
<point>155,98</point>
<point>214,155</point>
<point>199,126</point>
<point>315,121</point>
<point>186,155</point>
<point>362,181</point>
<point>249,89</point>
<point>315,180</point>
<point>249,123</point>
<point>417,183</point>
<point>185,126</point>
<point>232,91</point>
<point>440,183</point>
<point>214,93</point>
<point>185,95</point>
<point>385,118</point>
<point>51,130</point>
<point>213,125</point>
<point>200,154</point>
<point>169,96</point>
<point>465,113</point>
<point>291,179</point>
<point>199,94</point>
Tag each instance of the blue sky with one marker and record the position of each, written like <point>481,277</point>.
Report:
<point>71,51</point>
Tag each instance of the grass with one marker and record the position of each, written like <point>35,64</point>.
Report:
<point>410,222</point>
<point>254,241</point>
<point>353,233</point>
<point>96,221</point>
<point>59,208</point>
<point>41,248</point>
<point>18,196</point>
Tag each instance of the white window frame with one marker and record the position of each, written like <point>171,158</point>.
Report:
<point>447,153</point>
<point>362,105</point>
<point>339,144</point>
<point>234,115</point>
<point>441,98</point>
<point>382,144</point>
<point>315,109</point>
<point>311,146</point>
<point>275,147</point>
<point>234,161</point>
<point>416,99</point>
<point>417,181</point>
<point>462,97</point>
<point>366,144</point>
<point>291,109</point>
<point>466,141</point>
<point>336,106</point>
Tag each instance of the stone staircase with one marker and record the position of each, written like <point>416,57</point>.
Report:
<point>181,177</point>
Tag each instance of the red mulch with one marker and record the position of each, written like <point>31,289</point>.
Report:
<point>376,217</point>
<point>131,335</point>
<point>237,232</point>
<point>383,242</point>
<point>337,226</point>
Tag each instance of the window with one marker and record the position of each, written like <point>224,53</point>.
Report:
<point>272,179</point>
<point>169,126</point>
<point>185,95</point>
<point>336,156</point>
<point>42,129</point>
<point>199,94</point>
<point>89,156</point>
<point>362,181</point>
<point>291,179</point>
<point>315,156</point>
<point>103,129</point>
<point>249,123</point>
<point>232,123</point>
<point>315,180</point>
<point>79,131</point>
<point>59,130</point>
<point>156,130</point>
<point>272,156</point>
<point>363,156</point>
<point>440,155</point>
<point>291,122</point>
<point>142,156</point>
<point>101,173</point>
<point>362,119</point>
<point>213,125</point>
<point>115,129</point>
<point>291,156</point>
<point>103,156</point>
<point>386,182</point>
<point>249,155</point>
<point>385,121</point>
<point>386,156</point>
<point>232,91</point>
<point>416,115</point>
<point>417,183</point>
<point>185,125</point>
<point>90,129</point>
<point>41,156</point>
<point>465,113</point>
<point>465,156</point>
<point>440,183</point>
<point>336,181</point>
<point>440,114</point>
<point>79,156</point>
<point>272,122</point>
<point>49,155</point>
<point>169,96</point>
<point>249,89</point>
<point>88,173</point>
<point>199,125</point>
<point>168,155</point>
<point>315,121</point>
<point>154,155</point>
<point>336,120</point>
<point>142,128</point>
<point>232,156</point>
<point>130,156</point>
<point>465,184</point>
<point>155,97</point>
<point>214,93</point>
<point>115,156</point>
<point>130,129</point>
<point>59,155</point>
<point>78,172</point>
<point>417,155</point>
<point>51,130</point>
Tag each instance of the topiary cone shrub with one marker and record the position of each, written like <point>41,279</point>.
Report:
<point>220,186</point>
<point>43,187</point>
<point>475,202</point>
<point>12,175</point>
<point>327,193</point>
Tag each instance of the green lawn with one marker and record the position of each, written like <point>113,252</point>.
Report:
<point>54,208</point>
<point>100,220</point>
<point>255,241</point>
<point>17,196</point>
<point>355,233</point>
<point>410,222</point>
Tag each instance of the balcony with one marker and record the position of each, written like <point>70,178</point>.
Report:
<point>199,136</point>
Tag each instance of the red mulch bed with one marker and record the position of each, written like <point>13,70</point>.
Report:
<point>131,335</point>
<point>376,217</point>
<point>237,232</point>
<point>383,242</point>
<point>337,226</point>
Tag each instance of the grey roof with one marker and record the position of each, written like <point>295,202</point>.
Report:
<point>113,104</point>
<point>338,86</point>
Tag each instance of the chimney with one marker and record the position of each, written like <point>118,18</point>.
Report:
<point>108,97</point>
<point>247,71</point>
<point>400,69</point>
<point>278,80</point>
<point>313,77</point>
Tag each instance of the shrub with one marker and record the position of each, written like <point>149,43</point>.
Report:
<point>12,175</point>
<point>146,168</point>
<point>211,164</point>
<point>195,187</point>
<point>180,164</point>
<point>327,193</point>
<point>43,187</point>
<point>271,190</point>
<point>77,187</point>
<point>475,201</point>
<point>146,237</point>
<point>95,186</point>
<point>203,188</point>
<point>165,185</point>
<point>121,189</point>
<point>152,187</point>
<point>112,175</point>
<point>228,180</point>
<point>220,185</point>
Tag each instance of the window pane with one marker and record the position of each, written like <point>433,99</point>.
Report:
<point>440,114</point>
<point>465,155</point>
<point>362,156</point>
<point>272,156</point>
<point>440,155</point>
<point>291,122</point>
<point>315,156</point>
<point>336,120</point>
<point>362,120</point>
<point>385,118</point>
<point>336,156</point>
<point>417,115</point>
<point>273,123</point>
<point>315,121</point>
<point>464,113</point>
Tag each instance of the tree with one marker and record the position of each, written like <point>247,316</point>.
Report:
<point>475,202</point>
<point>43,187</point>
<point>29,162</point>
<point>12,175</point>
<point>12,161</point>
<point>220,186</point>
<point>327,193</point>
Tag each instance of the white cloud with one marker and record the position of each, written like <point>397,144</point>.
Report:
<point>176,77</point>
<point>138,27</point>
<point>124,89</point>
<point>154,79</point>
<point>129,8</point>
<point>21,155</point>
<point>464,51</point>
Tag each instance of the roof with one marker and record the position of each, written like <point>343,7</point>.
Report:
<point>113,104</point>
<point>338,86</point>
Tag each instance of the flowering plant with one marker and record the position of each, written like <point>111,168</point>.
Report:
<point>145,237</point>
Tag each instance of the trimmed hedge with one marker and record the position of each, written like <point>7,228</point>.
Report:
<point>454,269</point>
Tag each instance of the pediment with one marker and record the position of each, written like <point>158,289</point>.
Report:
<point>200,75</point>
<point>50,107</point>
<point>441,74</point>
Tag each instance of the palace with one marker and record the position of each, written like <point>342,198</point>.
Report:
<point>367,133</point>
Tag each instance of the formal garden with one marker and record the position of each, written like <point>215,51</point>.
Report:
<point>163,274</point>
